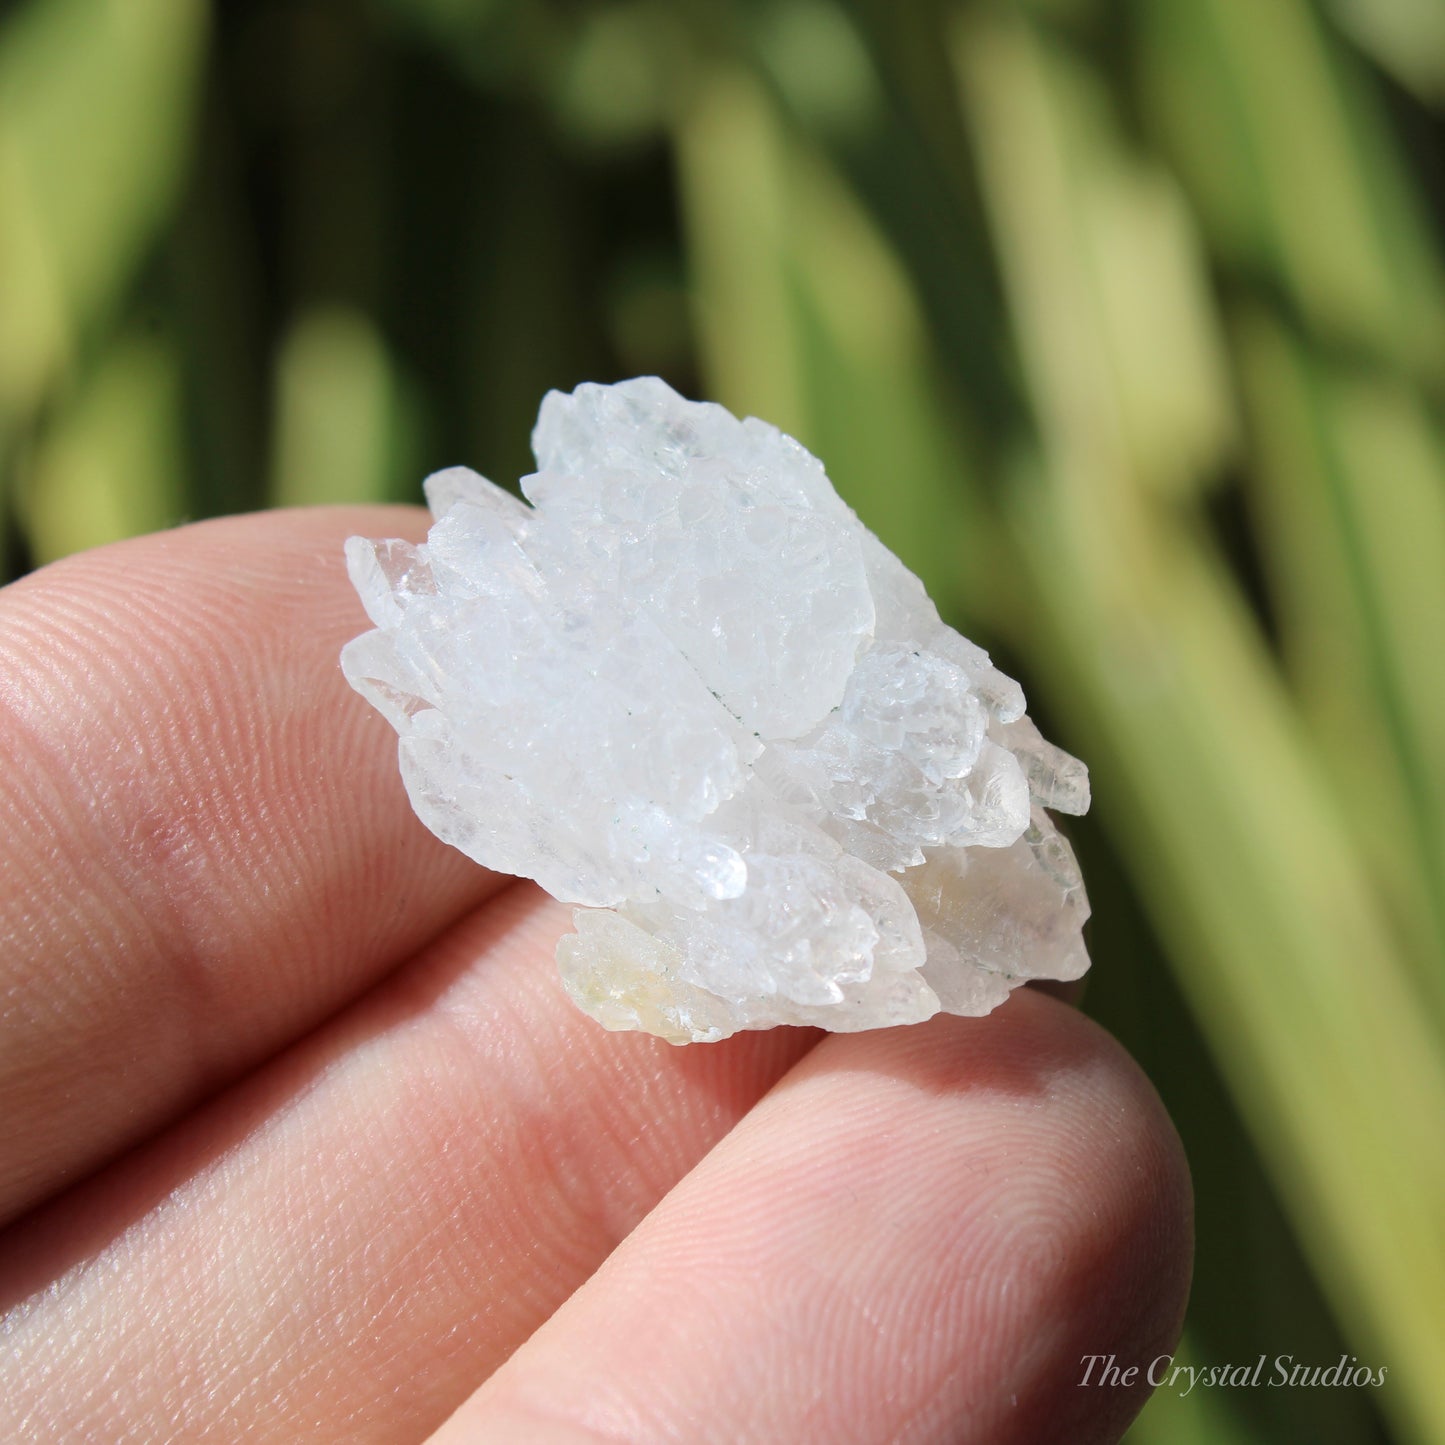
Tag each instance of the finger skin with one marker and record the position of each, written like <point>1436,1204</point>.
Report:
<point>204,842</point>
<point>915,1238</point>
<point>344,1246</point>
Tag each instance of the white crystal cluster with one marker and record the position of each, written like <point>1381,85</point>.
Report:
<point>687,689</point>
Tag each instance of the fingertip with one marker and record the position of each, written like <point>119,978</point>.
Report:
<point>1063,1201</point>
<point>1121,1208</point>
<point>920,1235</point>
<point>209,831</point>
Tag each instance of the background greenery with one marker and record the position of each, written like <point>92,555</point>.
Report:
<point>1123,321</point>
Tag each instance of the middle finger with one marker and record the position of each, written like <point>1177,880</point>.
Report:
<point>343,1246</point>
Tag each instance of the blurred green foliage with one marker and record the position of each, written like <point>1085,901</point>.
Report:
<point>1123,321</point>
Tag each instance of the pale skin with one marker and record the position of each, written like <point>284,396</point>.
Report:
<point>300,1138</point>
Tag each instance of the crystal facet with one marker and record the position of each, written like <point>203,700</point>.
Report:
<point>688,690</point>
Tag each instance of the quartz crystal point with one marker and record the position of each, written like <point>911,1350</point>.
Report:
<point>689,691</point>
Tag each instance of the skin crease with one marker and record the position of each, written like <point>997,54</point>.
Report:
<point>340,1161</point>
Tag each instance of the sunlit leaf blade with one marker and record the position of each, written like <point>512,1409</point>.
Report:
<point>1407,37</point>
<point>1348,489</point>
<point>111,463</point>
<point>1123,350</point>
<point>96,102</point>
<point>337,413</point>
<point>1283,147</point>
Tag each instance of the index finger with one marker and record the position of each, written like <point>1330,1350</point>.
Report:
<point>205,844</point>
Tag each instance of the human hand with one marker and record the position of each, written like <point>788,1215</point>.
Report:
<point>300,1138</point>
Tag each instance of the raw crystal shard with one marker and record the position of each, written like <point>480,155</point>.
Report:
<point>688,690</point>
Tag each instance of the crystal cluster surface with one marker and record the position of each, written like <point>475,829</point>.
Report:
<point>688,690</point>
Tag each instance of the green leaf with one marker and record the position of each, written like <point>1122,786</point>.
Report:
<point>338,413</point>
<point>110,465</point>
<point>96,99</point>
